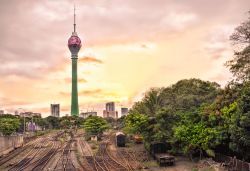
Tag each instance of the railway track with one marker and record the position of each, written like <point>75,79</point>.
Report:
<point>86,159</point>
<point>35,154</point>
<point>65,162</point>
<point>129,158</point>
<point>103,161</point>
<point>18,151</point>
<point>43,161</point>
<point>26,160</point>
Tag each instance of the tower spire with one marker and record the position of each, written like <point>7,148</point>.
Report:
<point>74,19</point>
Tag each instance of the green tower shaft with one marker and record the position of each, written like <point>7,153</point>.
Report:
<point>74,91</point>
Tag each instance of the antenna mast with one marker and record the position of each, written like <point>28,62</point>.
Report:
<point>74,19</point>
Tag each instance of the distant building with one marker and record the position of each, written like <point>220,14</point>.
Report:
<point>112,114</point>
<point>124,111</point>
<point>110,106</point>
<point>55,110</point>
<point>87,114</point>
<point>33,127</point>
<point>110,110</point>
<point>1,112</point>
<point>16,113</point>
<point>29,114</point>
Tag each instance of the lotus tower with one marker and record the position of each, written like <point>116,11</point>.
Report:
<point>74,44</point>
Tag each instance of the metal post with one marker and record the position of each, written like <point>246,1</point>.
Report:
<point>32,124</point>
<point>23,123</point>
<point>23,119</point>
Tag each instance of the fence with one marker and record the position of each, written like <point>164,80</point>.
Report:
<point>9,143</point>
<point>232,163</point>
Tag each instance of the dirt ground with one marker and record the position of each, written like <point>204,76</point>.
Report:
<point>181,164</point>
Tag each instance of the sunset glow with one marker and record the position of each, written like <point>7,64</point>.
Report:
<point>127,47</point>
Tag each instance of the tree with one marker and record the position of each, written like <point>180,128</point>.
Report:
<point>65,123</point>
<point>240,125</point>
<point>121,122</point>
<point>185,95</point>
<point>163,109</point>
<point>165,121</point>
<point>54,122</point>
<point>241,34</point>
<point>196,137</point>
<point>189,94</point>
<point>111,121</point>
<point>95,125</point>
<point>9,125</point>
<point>151,102</point>
<point>240,64</point>
<point>136,123</point>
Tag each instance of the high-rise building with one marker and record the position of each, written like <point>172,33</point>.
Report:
<point>16,112</point>
<point>29,114</point>
<point>110,106</point>
<point>55,110</point>
<point>124,111</point>
<point>1,112</point>
<point>110,111</point>
<point>74,44</point>
<point>87,114</point>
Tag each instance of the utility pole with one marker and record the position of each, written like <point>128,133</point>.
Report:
<point>32,124</point>
<point>23,120</point>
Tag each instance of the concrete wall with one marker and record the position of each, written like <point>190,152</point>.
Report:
<point>9,143</point>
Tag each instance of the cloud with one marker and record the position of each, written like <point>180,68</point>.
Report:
<point>99,94</point>
<point>178,20</point>
<point>95,93</point>
<point>88,59</point>
<point>80,80</point>
<point>91,92</point>
<point>34,50</point>
<point>217,41</point>
<point>9,102</point>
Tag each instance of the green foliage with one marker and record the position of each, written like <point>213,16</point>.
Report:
<point>111,121</point>
<point>95,125</point>
<point>163,111</point>
<point>121,122</point>
<point>151,102</point>
<point>165,120</point>
<point>53,122</point>
<point>196,137</point>
<point>240,64</point>
<point>136,123</point>
<point>9,125</point>
<point>185,95</point>
<point>78,121</point>
<point>240,124</point>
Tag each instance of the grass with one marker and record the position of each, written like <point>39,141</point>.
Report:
<point>130,144</point>
<point>204,169</point>
<point>94,146</point>
<point>208,169</point>
<point>150,163</point>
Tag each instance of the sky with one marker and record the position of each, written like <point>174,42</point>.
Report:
<point>127,48</point>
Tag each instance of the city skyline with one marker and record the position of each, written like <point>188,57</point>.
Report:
<point>130,47</point>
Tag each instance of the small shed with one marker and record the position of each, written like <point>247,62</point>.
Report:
<point>93,138</point>
<point>120,138</point>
